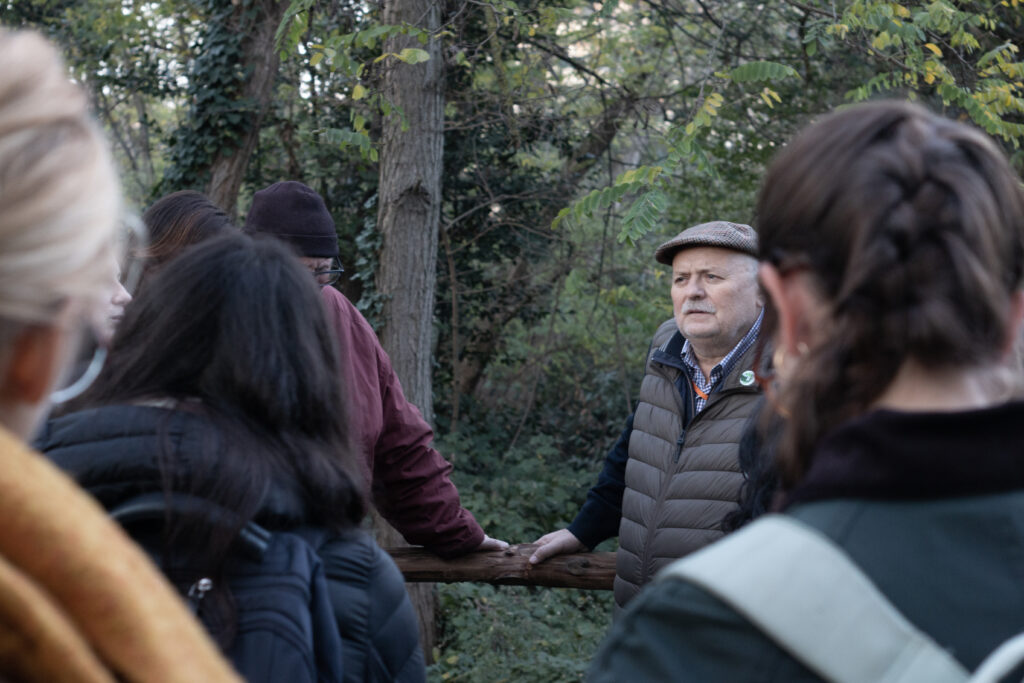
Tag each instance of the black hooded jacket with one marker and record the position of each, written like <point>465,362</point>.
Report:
<point>113,451</point>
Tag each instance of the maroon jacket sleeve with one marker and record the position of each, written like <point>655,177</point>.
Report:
<point>408,478</point>
<point>411,487</point>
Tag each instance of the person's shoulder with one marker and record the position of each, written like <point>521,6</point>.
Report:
<point>341,303</point>
<point>98,424</point>
<point>348,318</point>
<point>334,296</point>
<point>354,557</point>
<point>675,630</point>
<point>665,331</point>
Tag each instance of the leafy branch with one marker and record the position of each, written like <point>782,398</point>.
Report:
<point>648,185</point>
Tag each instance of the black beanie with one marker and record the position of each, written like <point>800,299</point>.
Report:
<point>296,214</point>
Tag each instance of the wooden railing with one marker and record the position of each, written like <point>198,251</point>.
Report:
<point>594,571</point>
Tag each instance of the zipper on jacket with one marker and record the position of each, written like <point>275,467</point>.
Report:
<point>659,370</point>
<point>679,446</point>
<point>196,592</point>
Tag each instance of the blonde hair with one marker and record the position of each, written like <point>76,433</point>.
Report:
<point>60,197</point>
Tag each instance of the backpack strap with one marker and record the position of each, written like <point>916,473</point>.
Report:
<point>1001,661</point>
<point>804,592</point>
<point>153,507</point>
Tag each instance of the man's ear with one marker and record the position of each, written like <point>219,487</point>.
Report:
<point>32,364</point>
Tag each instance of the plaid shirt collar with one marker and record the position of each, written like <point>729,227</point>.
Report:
<point>724,367</point>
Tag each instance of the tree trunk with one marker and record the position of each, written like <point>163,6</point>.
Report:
<point>408,219</point>
<point>259,59</point>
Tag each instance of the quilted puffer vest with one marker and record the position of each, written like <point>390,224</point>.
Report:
<point>680,483</point>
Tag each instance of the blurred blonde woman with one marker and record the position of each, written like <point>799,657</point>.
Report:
<point>78,602</point>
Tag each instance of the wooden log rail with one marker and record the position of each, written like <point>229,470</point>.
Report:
<point>594,571</point>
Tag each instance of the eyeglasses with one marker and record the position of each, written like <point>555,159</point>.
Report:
<point>329,276</point>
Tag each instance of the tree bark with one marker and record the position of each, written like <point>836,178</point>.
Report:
<point>592,571</point>
<point>259,59</point>
<point>409,219</point>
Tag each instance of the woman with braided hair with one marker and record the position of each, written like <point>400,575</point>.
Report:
<point>892,249</point>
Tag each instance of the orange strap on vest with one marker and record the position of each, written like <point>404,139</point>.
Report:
<point>700,393</point>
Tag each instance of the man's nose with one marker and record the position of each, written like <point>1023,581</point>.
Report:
<point>694,290</point>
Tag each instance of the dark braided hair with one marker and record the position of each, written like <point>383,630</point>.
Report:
<point>912,226</point>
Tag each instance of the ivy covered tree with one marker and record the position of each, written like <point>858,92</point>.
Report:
<point>230,86</point>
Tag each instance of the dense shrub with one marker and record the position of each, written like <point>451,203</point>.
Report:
<point>518,633</point>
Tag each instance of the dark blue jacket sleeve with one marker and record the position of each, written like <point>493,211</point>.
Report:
<point>599,517</point>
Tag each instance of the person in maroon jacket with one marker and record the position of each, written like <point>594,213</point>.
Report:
<point>408,478</point>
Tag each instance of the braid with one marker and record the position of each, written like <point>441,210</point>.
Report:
<point>917,247</point>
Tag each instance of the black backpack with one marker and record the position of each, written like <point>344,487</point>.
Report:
<point>286,629</point>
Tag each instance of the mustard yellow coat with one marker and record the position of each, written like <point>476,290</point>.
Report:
<point>78,600</point>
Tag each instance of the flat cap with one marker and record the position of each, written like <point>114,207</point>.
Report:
<point>721,234</point>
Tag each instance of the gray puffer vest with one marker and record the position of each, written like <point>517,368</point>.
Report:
<point>680,483</point>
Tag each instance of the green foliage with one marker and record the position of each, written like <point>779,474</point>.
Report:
<point>642,216</point>
<point>963,53</point>
<point>483,630</point>
<point>294,23</point>
<point>517,493</point>
<point>754,72</point>
<point>637,180</point>
<point>520,492</point>
<point>111,53</point>
<point>343,139</point>
<point>350,55</point>
<point>367,247</point>
<point>218,113</point>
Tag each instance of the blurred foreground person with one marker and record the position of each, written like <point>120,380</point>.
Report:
<point>78,601</point>
<point>222,386</point>
<point>892,248</point>
<point>408,478</point>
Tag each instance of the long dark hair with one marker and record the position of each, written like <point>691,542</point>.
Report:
<point>236,332</point>
<point>756,457</point>
<point>177,221</point>
<point>912,227</point>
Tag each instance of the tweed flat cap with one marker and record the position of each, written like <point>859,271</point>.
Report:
<point>722,234</point>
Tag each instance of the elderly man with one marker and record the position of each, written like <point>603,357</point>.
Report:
<point>673,475</point>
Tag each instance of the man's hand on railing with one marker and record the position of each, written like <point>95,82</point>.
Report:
<point>511,566</point>
<point>561,542</point>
